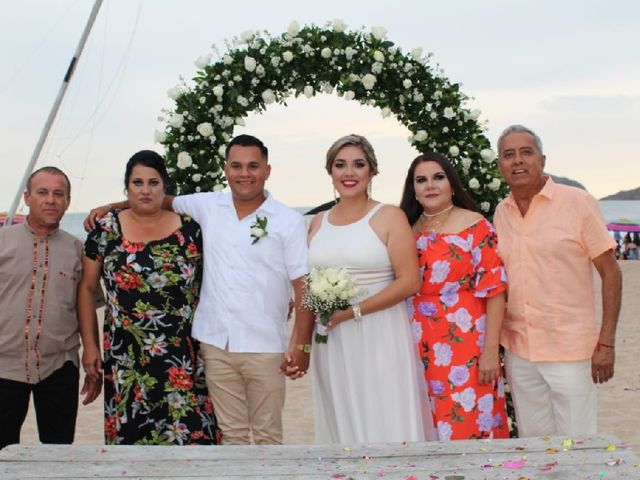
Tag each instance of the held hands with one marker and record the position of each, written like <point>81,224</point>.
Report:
<point>488,366</point>
<point>94,215</point>
<point>295,363</point>
<point>602,362</point>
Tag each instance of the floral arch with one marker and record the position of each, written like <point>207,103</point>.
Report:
<point>258,69</point>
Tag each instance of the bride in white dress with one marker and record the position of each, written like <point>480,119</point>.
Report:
<point>367,380</point>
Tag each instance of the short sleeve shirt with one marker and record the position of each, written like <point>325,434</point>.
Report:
<point>548,255</point>
<point>247,285</point>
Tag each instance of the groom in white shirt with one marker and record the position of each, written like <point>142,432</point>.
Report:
<point>255,253</point>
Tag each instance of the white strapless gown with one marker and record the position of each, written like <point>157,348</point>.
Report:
<point>367,379</point>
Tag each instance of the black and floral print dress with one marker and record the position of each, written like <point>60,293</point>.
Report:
<point>154,387</point>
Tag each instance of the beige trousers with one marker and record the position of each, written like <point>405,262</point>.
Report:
<point>552,398</point>
<point>247,390</point>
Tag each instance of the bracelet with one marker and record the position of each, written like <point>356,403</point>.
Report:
<point>604,345</point>
<point>357,314</point>
<point>304,347</point>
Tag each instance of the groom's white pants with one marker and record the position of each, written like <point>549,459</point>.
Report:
<point>552,398</point>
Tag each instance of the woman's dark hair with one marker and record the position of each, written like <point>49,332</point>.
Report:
<point>412,207</point>
<point>151,159</point>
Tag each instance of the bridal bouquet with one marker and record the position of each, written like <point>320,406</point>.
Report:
<point>328,289</point>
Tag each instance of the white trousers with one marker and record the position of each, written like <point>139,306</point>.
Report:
<point>552,398</point>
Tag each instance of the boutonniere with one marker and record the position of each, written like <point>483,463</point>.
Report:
<point>259,229</point>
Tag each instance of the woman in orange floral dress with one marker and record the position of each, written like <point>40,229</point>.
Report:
<point>458,312</point>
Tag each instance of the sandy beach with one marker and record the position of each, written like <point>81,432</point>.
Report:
<point>619,399</point>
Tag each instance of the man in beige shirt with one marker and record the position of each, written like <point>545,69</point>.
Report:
<point>39,272</point>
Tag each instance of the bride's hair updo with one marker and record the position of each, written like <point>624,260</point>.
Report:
<point>357,141</point>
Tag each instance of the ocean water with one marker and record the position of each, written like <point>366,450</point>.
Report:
<point>611,210</point>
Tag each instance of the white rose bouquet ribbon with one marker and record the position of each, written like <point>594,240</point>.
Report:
<point>328,289</point>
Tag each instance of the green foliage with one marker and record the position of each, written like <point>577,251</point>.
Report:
<point>259,69</point>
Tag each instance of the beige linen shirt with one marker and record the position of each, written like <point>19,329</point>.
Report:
<point>38,321</point>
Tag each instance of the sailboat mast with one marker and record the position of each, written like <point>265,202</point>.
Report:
<point>54,111</point>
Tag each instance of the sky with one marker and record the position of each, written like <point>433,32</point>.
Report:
<point>569,70</point>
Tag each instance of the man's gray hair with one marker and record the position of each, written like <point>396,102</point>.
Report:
<point>520,129</point>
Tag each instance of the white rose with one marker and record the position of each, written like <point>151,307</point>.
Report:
<point>406,83</point>
<point>308,91</point>
<point>176,120</point>
<point>184,160</point>
<point>203,61</point>
<point>218,188</point>
<point>268,96</point>
<point>246,36</point>
<point>293,28</point>
<point>420,136</point>
<point>378,56</point>
<point>386,111</point>
<point>454,151</point>
<point>349,95</point>
<point>495,184</point>
<point>218,90</point>
<point>227,60</point>
<point>257,232</point>
<point>349,53</point>
<point>487,155</point>
<point>485,206</point>
<point>338,25</point>
<point>368,81</point>
<point>474,114</point>
<point>327,88</point>
<point>174,93</point>
<point>240,121</point>
<point>205,129</point>
<point>449,113</point>
<point>287,56</point>
<point>196,177</point>
<point>249,63</point>
<point>416,53</point>
<point>260,70</point>
<point>159,137</point>
<point>466,162</point>
<point>242,101</point>
<point>437,95</point>
<point>222,150</point>
<point>474,184</point>
<point>379,32</point>
<point>325,52</point>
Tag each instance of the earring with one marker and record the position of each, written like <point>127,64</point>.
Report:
<point>369,189</point>
<point>335,195</point>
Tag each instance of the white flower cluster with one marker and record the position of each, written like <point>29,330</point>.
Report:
<point>329,289</point>
<point>259,70</point>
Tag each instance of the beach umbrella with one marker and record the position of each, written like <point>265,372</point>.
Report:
<point>623,225</point>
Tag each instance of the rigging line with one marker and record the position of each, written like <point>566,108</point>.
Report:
<point>34,50</point>
<point>97,105</point>
<point>116,80</point>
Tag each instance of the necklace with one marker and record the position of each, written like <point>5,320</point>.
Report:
<point>431,215</point>
<point>435,226</point>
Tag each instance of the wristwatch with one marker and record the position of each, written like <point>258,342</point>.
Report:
<point>304,347</point>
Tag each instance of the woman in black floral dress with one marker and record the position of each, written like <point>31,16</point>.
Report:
<point>150,261</point>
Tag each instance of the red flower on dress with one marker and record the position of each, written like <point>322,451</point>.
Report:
<point>132,247</point>
<point>106,341</point>
<point>127,281</point>
<point>110,429</point>
<point>180,237</point>
<point>192,248</point>
<point>179,378</point>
